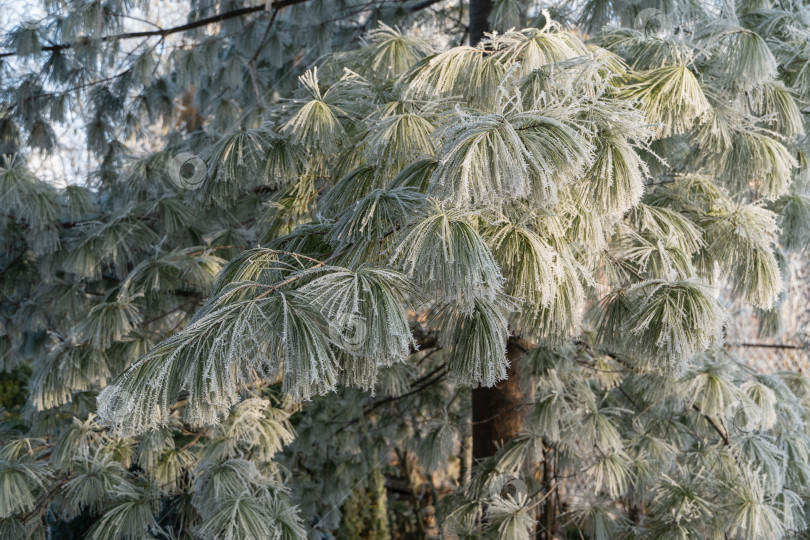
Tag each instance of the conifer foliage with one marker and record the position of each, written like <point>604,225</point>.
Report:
<point>308,232</point>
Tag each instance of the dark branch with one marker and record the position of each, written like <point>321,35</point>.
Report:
<point>163,32</point>
<point>767,345</point>
<point>422,5</point>
<point>275,6</point>
<point>714,425</point>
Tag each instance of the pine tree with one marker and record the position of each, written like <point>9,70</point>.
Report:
<point>361,269</point>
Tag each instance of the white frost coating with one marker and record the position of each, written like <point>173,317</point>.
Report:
<point>444,252</point>
<point>675,321</point>
<point>476,338</point>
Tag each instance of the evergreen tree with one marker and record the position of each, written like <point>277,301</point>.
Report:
<point>360,269</point>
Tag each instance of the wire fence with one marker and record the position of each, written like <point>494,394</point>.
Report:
<point>773,357</point>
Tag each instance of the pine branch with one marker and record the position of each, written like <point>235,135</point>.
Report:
<point>438,371</point>
<point>417,386</point>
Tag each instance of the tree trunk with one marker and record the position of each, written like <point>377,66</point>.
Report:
<point>547,512</point>
<point>498,412</point>
<point>524,13</point>
<point>465,450</point>
<point>479,19</point>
